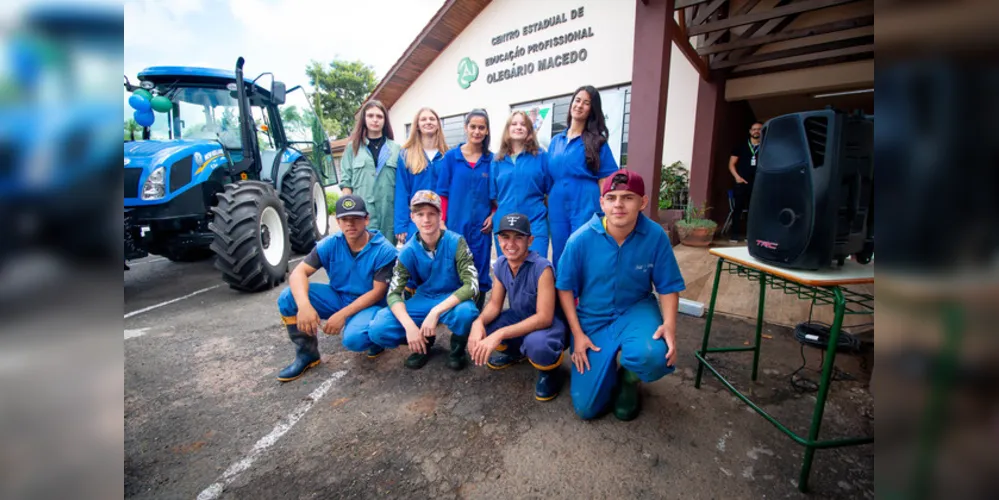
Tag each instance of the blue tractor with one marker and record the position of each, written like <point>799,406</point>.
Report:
<point>227,178</point>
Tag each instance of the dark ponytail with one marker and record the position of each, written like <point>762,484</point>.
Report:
<point>595,131</point>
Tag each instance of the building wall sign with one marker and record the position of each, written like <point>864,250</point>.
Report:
<point>468,72</point>
<point>518,56</point>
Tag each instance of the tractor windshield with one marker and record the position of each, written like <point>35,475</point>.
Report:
<point>200,113</point>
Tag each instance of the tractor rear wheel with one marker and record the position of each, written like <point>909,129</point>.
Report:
<point>251,236</point>
<point>305,202</point>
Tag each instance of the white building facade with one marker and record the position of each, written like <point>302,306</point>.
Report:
<point>532,55</point>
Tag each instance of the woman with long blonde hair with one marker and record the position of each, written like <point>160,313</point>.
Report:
<point>418,161</point>
<point>519,179</point>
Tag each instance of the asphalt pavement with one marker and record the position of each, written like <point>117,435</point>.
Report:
<point>206,418</point>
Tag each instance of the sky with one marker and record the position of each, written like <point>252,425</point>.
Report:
<point>279,36</point>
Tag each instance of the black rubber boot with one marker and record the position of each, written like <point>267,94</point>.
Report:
<point>416,360</point>
<point>306,354</point>
<point>456,359</point>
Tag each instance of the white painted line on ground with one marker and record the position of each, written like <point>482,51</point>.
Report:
<point>131,334</point>
<point>161,304</point>
<point>212,492</point>
<point>150,261</point>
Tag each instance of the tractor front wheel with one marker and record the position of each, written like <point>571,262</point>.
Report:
<point>251,236</point>
<point>305,201</point>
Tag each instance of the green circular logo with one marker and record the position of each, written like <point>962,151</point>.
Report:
<point>348,204</point>
<point>468,71</point>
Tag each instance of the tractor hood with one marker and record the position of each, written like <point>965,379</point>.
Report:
<point>163,153</point>
<point>186,164</point>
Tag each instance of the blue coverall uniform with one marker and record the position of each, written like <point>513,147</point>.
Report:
<point>520,186</point>
<point>349,278</point>
<point>468,206</point>
<point>436,278</point>
<point>575,193</point>
<point>617,309</point>
<point>407,183</point>
<point>543,347</point>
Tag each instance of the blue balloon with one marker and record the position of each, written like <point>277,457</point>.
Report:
<point>144,118</point>
<point>139,103</point>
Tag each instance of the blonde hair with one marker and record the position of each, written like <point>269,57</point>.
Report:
<point>416,159</point>
<point>530,142</point>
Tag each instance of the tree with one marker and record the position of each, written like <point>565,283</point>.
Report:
<point>131,127</point>
<point>341,87</point>
<point>293,120</point>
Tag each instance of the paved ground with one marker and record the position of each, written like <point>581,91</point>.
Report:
<point>204,416</point>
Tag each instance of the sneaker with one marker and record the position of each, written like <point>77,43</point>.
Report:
<point>499,360</point>
<point>627,402</point>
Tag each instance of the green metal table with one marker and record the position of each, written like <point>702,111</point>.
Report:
<point>822,288</point>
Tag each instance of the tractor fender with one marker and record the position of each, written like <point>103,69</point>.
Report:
<point>282,164</point>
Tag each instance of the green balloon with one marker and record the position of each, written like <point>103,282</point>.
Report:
<point>144,93</point>
<point>161,104</point>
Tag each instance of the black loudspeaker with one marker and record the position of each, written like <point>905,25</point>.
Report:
<point>811,204</point>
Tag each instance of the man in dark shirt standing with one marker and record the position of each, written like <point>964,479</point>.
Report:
<point>742,166</point>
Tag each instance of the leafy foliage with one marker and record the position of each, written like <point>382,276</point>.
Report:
<point>695,217</point>
<point>673,182</point>
<point>341,87</point>
<point>331,198</point>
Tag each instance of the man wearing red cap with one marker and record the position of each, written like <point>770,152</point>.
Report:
<point>612,264</point>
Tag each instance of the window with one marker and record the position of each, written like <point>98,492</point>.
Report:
<point>453,127</point>
<point>560,110</point>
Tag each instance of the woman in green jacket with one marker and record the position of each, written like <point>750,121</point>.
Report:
<point>369,163</point>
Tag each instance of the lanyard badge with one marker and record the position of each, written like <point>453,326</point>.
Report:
<point>754,151</point>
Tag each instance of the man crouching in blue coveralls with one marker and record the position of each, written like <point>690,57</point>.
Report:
<point>359,263</point>
<point>612,264</point>
<point>531,328</point>
<point>440,265</point>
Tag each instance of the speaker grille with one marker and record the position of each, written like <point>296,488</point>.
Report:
<point>817,134</point>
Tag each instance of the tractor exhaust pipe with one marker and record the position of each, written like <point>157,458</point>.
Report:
<point>251,154</point>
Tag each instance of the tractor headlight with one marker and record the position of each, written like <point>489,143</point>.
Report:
<point>155,185</point>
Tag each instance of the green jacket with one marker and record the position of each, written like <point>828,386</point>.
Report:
<point>375,184</point>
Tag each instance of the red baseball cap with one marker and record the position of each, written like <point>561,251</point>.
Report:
<point>624,180</point>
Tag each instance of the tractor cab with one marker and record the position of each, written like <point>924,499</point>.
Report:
<point>206,132</point>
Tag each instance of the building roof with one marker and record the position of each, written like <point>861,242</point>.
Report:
<point>449,21</point>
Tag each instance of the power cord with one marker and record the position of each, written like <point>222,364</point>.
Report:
<point>816,334</point>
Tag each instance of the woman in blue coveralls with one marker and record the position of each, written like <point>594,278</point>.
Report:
<point>578,161</point>
<point>421,154</point>
<point>519,180</point>
<point>463,185</point>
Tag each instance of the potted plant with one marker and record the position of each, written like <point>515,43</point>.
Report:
<point>694,229</point>
<point>672,196</point>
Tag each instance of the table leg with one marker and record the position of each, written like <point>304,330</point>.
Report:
<point>759,323</point>
<point>828,363</point>
<point>707,323</point>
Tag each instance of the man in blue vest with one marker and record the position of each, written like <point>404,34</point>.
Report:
<point>531,328</point>
<point>440,265</point>
<point>358,262</point>
<point>612,264</point>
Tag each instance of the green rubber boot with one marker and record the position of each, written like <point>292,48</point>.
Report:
<point>627,402</point>
<point>416,360</point>
<point>456,359</point>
